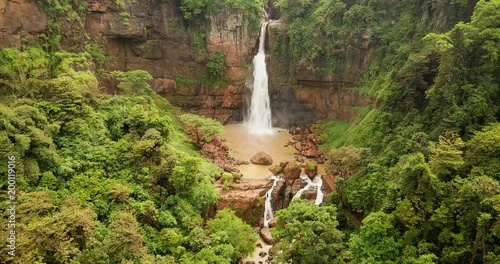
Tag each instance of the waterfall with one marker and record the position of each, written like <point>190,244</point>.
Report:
<point>268,208</point>
<point>259,120</point>
<point>317,183</point>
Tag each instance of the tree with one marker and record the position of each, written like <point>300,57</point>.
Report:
<point>185,176</point>
<point>347,160</point>
<point>234,231</point>
<point>446,156</point>
<point>133,82</point>
<point>483,151</point>
<point>200,129</point>
<point>308,234</point>
<point>377,241</point>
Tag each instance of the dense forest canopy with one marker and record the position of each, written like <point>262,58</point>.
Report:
<point>114,178</point>
<point>105,178</point>
<point>421,167</point>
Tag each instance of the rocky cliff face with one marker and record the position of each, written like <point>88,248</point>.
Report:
<point>20,21</point>
<point>151,35</point>
<point>303,96</point>
<point>158,41</point>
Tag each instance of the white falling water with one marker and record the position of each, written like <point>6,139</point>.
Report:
<point>259,120</point>
<point>317,183</point>
<point>268,208</point>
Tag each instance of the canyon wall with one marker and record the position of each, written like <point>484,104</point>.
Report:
<point>152,35</point>
<point>158,40</point>
<point>302,96</point>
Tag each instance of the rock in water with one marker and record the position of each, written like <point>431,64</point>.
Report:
<point>262,158</point>
<point>292,171</point>
<point>265,233</point>
<point>311,169</point>
<point>276,169</point>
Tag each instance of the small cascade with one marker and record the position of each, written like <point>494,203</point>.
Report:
<point>317,183</point>
<point>259,119</point>
<point>268,208</point>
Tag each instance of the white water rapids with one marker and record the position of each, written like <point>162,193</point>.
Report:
<point>268,207</point>
<point>259,119</point>
<point>317,183</point>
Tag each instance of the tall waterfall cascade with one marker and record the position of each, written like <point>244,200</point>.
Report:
<point>268,207</point>
<point>259,119</point>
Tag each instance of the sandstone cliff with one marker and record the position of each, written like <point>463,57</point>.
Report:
<point>150,35</point>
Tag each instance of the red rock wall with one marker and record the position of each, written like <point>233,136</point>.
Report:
<point>310,96</point>
<point>157,39</point>
<point>20,20</point>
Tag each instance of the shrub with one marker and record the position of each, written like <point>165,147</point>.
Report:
<point>227,180</point>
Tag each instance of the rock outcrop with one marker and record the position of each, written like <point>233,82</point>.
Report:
<point>310,96</point>
<point>261,158</point>
<point>306,143</point>
<point>245,198</point>
<point>292,172</point>
<point>265,233</point>
<point>20,20</point>
<point>218,153</point>
<point>154,37</point>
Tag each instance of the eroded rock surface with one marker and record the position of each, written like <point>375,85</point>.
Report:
<point>245,198</point>
<point>20,20</point>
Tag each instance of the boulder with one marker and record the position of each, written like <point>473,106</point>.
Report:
<point>273,222</point>
<point>312,153</point>
<point>292,171</point>
<point>262,158</point>
<point>276,169</point>
<point>310,195</point>
<point>311,169</point>
<point>278,191</point>
<point>265,233</point>
<point>283,163</point>
<point>297,185</point>
<point>298,146</point>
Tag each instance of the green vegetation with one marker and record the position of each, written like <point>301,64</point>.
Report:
<point>200,129</point>
<point>215,66</point>
<point>309,234</point>
<point>194,10</point>
<point>105,178</point>
<point>418,172</point>
<point>227,179</point>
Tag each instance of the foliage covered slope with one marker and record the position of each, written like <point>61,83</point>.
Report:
<point>421,167</point>
<point>104,178</point>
